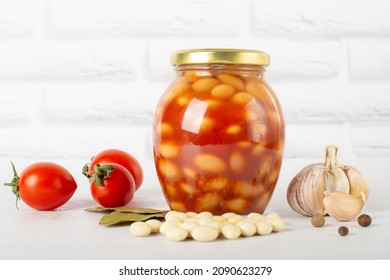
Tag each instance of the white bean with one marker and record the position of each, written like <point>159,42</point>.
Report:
<point>219,219</point>
<point>191,214</point>
<point>273,215</point>
<point>173,215</point>
<point>209,163</point>
<point>154,224</point>
<point>189,226</point>
<point>242,97</point>
<point>204,85</point>
<point>231,231</point>
<point>189,220</point>
<point>223,91</point>
<point>263,227</point>
<point>169,169</point>
<point>140,229</point>
<point>235,219</point>
<point>237,162</point>
<point>205,221</point>
<point>217,225</point>
<point>277,224</point>
<point>204,214</point>
<point>169,150</point>
<point>168,224</point>
<point>175,233</point>
<point>204,234</point>
<point>247,228</point>
<point>255,217</point>
<point>228,215</point>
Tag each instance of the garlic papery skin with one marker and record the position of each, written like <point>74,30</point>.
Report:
<point>342,206</point>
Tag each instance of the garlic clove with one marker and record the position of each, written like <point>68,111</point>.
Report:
<point>316,194</point>
<point>342,206</point>
<point>357,181</point>
<point>336,180</point>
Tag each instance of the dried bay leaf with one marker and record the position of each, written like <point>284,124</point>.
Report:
<point>125,209</point>
<point>118,217</point>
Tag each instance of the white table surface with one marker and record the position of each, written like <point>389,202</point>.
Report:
<point>72,233</point>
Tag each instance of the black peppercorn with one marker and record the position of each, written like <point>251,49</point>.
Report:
<point>343,231</point>
<point>318,220</point>
<point>364,220</point>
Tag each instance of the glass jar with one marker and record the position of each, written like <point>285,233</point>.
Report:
<point>218,133</point>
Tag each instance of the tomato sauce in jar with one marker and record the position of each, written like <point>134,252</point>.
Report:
<point>218,133</point>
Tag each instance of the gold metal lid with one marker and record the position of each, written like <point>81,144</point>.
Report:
<point>230,56</point>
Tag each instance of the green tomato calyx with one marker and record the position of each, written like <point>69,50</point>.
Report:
<point>14,184</point>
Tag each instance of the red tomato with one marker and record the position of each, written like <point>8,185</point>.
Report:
<point>112,185</point>
<point>120,157</point>
<point>44,185</point>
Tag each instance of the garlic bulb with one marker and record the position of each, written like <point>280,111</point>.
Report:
<point>305,192</point>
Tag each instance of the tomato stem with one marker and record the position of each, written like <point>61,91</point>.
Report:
<point>86,168</point>
<point>85,171</point>
<point>15,185</point>
<point>100,173</point>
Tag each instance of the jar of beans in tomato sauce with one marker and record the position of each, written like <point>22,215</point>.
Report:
<point>218,133</point>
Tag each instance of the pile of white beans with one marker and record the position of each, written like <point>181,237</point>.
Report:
<point>206,227</point>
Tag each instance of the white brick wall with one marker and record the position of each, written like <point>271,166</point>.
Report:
<point>77,76</point>
<point>331,18</point>
<point>19,18</point>
<point>123,18</point>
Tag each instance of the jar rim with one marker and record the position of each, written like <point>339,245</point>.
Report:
<point>228,56</point>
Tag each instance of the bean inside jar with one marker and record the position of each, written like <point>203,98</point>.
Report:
<point>218,133</point>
